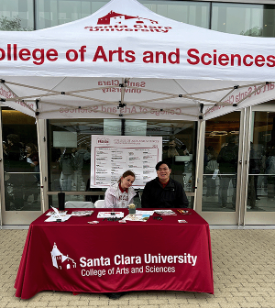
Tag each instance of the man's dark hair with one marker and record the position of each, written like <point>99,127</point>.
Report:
<point>162,163</point>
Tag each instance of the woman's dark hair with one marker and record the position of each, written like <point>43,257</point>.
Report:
<point>13,138</point>
<point>162,163</point>
<point>127,173</point>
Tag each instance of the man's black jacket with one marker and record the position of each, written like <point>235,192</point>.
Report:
<point>155,196</point>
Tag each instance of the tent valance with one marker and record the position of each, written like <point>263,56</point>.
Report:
<point>126,61</point>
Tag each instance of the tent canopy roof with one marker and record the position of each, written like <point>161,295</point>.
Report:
<point>126,61</point>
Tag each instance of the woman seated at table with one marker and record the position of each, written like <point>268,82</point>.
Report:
<point>121,194</point>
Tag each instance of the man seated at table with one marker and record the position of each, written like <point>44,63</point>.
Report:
<point>163,192</point>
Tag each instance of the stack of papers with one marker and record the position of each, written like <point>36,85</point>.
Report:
<point>110,214</point>
<point>82,213</point>
<point>62,213</point>
<point>58,216</point>
<point>139,216</point>
<point>165,212</point>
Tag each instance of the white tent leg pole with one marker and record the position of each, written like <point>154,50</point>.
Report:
<point>42,157</point>
<point>199,142</point>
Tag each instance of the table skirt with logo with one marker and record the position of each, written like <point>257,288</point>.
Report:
<point>76,256</point>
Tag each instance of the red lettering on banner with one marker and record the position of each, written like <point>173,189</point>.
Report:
<point>130,56</point>
<point>100,54</point>
<point>119,53</point>
<point>203,59</point>
<point>238,58</point>
<point>38,55</point>
<point>191,55</point>
<point>215,57</point>
<point>172,57</point>
<point>223,59</point>
<point>260,61</point>
<point>24,53</point>
<point>245,62</point>
<point>271,61</point>
<point>52,55</point>
<point>2,54</point>
<point>71,55</point>
<point>39,59</point>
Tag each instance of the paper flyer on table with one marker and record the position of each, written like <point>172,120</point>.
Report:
<point>110,214</point>
<point>54,217</point>
<point>165,212</point>
<point>61,213</point>
<point>139,216</point>
<point>82,213</point>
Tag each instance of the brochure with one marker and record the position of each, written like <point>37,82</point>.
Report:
<point>165,212</point>
<point>57,217</point>
<point>82,213</point>
<point>61,213</point>
<point>139,216</point>
<point>110,214</point>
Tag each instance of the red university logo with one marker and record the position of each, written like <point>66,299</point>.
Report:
<point>113,18</point>
<point>121,22</point>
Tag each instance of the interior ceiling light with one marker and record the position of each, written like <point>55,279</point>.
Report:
<point>218,133</point>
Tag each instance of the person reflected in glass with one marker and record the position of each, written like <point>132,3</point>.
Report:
<point>16,156</point>
<point>121,194</point>
<point>80,158</point>
<point>172,150</point>
<point>31,181</point>
<point>227,160</point>
<point>67,167</point>
<point>163,191</point>
<point>255,168</point>
<point>211,169</point>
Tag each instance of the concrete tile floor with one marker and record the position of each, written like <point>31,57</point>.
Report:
<point>244,276</point>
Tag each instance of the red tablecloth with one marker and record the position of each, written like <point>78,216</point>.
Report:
<point>112,257</point>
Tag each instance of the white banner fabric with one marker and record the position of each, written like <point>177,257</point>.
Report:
<point>125,60</point>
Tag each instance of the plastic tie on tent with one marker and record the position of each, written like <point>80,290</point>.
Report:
<point>120,105</point>
<point>36,102</point>
<point>2,99</point>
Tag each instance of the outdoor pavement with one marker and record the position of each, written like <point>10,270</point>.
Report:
<point>244,276</point>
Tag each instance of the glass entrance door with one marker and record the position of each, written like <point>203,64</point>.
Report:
<point>260,193</point>
<point>219,183</point>
<point>20,178</point>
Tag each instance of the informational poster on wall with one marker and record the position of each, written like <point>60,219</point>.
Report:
<point>111,156</point>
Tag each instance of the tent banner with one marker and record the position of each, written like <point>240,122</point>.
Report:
<point>125,39</point>
<point>127,61</point>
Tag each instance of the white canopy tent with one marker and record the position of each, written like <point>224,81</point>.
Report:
<point>124,54</point>
<point>126,61</point>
